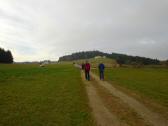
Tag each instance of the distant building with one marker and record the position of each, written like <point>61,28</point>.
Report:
<point>46,62</point>
<point>99,57</point>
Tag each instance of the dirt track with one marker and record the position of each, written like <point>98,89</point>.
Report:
<point>104,115</point>
<point>101,114</point>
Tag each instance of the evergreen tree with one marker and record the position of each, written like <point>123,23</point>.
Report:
<point>5,56</point>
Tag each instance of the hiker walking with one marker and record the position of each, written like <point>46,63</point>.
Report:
<point>101,71</point>
<point>87,71</point>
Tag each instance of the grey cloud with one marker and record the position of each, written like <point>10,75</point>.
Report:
<point>136,27</point>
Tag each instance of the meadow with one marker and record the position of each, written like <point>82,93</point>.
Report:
<point>42,96</point>
<point>148,82</point>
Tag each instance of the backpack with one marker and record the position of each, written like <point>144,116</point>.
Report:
<point>87,66</point>
<point>101,67</point>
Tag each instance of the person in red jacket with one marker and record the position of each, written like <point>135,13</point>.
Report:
<point>87,71</point>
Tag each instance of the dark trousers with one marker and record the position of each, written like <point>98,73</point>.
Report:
<point>87,75</point>
<point>101,73</point>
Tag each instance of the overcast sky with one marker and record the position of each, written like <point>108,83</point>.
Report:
<point>48,29</point>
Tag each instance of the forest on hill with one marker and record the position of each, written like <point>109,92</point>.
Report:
<point>120,58</point>
<point>5,56</point>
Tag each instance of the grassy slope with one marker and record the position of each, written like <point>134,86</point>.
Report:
<point>150,82</point>
<point>33,96</point>
<point>94,62</point>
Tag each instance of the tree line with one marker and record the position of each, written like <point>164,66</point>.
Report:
<point>134,60</point>
<point>120,58</point>
<point>5,56</point>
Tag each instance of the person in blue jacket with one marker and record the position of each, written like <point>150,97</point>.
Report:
<point>101,71</point>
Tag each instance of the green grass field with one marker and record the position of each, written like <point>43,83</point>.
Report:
<point>48,96</point>
<point>149,82</point>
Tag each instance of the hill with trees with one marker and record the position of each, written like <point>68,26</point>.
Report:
<point>120,58</point>
<point>5,56</point>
